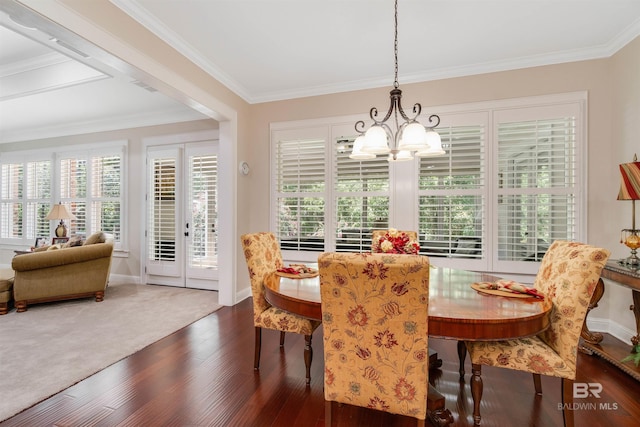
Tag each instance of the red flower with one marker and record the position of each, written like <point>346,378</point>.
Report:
<point>400,288</point>
<point>358,316</point>
<point>404,390</point>
<point>363,353</point>
<point>385,339</point>
<point>377,403</point>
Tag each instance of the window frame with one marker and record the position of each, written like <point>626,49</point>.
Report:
<point>107,148</point>
<point>402,177</point>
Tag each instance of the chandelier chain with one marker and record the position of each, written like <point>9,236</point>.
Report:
<point>395,46</point>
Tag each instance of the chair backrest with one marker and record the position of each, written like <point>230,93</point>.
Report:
<point>567,277</point>
<point>263,256</point>
<point>375,317</point>
<point>377,234</point>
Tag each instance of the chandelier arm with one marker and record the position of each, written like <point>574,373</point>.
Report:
<point>360,124</point>
<point>434,118</point>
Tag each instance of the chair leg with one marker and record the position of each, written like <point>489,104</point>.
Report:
<point>462,355</point>
<point>327,413</point>
<point>537,383</point>
<point>256,357</point>
<point>308,356</point>
<point>420,423</point>
<point>476,391</point>
<point>567,402</point>
<point>281,338</point>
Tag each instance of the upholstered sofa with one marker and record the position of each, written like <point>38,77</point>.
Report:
<point>62,273</point>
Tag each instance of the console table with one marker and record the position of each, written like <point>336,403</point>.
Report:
<point>610,348</point>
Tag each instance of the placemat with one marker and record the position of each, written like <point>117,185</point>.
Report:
<point>297,276</point>
<point>500,293</point>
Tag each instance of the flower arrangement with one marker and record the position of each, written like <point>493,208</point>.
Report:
<point>395,242</point>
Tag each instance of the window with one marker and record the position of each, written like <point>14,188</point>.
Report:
<point>300,190</point>
<point>361,193</point>
<point>89,182</point>
<point>507,186</point>
<point>90,185</point>
<point>25,199</point>
<point>451,191</point>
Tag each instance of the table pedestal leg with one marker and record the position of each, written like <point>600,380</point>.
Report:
<point>436,412</point>
<point>434,362</point>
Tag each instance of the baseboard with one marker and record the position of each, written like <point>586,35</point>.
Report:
<point>615,329</point>
<point>122,278</point>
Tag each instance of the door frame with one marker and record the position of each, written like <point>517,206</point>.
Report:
<point>160,141</point>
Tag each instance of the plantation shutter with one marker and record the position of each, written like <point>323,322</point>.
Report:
<point>38,201</point>
<point>162,228</point>
<point>11,224</point>
<point>536,186</point>
<point>300,193</point>
<point>105,194</point>
<point>202,251</point>
<point>452,201</point>
<point>361,191</point>
<point>73,192</point>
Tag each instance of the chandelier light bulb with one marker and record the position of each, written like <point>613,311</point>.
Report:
<point>414,138</point>
<point>357,153</point>
<point>376,140</point>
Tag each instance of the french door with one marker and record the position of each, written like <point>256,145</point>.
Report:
<point>181,211</point>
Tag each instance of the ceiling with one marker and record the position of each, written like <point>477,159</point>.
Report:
<point>267,50</point>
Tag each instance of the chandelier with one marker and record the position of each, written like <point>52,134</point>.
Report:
<point>409,136</point>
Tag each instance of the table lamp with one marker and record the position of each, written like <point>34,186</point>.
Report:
<point>630,190</point>
<point>60,212</point>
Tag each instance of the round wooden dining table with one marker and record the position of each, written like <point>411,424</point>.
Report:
<point>456,311</point>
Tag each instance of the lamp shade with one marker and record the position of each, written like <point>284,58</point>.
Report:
<point>630,181</point>
<point>59,211</point>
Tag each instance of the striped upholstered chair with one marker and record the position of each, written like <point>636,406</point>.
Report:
<point>262,253</point>
<point>567,277</point>
<point>375,317</point>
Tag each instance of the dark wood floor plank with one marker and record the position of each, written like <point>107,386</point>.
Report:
<point>203,375</point>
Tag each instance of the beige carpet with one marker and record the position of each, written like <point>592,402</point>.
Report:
<point>53,346</point>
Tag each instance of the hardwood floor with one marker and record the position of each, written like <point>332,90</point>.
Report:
<point>203,375</point>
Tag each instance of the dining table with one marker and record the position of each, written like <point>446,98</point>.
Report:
<point>456,311</point>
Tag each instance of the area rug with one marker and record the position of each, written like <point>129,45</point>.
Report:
<point>52,346</point>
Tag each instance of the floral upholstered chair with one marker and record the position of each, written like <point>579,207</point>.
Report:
<point>394,241</point>
<point>375,316</point>
<point>567,277</point>
<point>262,253</point>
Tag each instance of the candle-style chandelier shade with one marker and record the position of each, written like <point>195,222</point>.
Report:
<point>630,190</point>
<point>409,135</point>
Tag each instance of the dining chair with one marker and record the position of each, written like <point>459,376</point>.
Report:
<point>263,256</point>
<point>567,277</point>
<point>375,317</point>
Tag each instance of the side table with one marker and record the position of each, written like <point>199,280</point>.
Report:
<point>611,349</point>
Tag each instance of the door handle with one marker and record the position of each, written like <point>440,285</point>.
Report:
<point>186,233</point>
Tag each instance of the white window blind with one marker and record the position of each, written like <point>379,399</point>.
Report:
<point>11,204</point>
<point>361,191</point>
<point>203,194</point>
<point>25,200</point>
<point>452,201</point>
<point>300,193</point>
<point>162,224</point>
<point>91,189</point>
<point>38,199</point>
<point>536,186</point>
